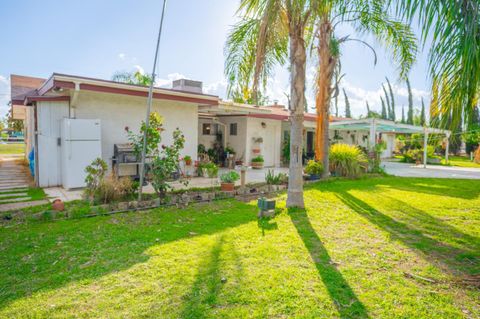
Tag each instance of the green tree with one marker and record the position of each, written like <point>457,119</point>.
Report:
<point>403,115</point>
<point>410,103</point>
<point>392,115</point>
<point>422,114</point>
<point>384,109</point>
<point>454,55</point>
<point>348,112</point>
<point>136,77</point>
<point>269,33</point>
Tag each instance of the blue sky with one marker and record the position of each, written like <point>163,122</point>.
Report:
<point>96,38</point>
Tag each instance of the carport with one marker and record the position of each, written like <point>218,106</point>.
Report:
<point>375,126</point>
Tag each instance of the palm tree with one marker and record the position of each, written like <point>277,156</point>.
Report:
<point>366,16</point>
<point>270,32</point>
<point>454,55</point>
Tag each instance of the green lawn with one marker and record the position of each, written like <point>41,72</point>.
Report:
<point>461,161</point>
<point>12,148</point>
<point>372,248</point>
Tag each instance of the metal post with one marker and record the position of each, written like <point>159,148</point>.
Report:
<point>425,144</point>
<point>149,104</point>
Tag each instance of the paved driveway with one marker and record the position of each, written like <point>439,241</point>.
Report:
<point>434,171</point>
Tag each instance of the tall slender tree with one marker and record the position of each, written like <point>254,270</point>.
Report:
<point>368,109</point>
<point>384,109</point>
<point>422,114</point>
<point>403,114</point>
<point>410,103</point>
<point>348,112</point>
<point>270,33</point>
<point>454,55</point>
<point>392,101</point>
<point>387,100</point>
<point>366,16</point>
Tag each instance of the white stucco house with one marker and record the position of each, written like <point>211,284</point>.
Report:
<point>44,104</point>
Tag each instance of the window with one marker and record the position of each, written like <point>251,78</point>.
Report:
<point>233,129</point>
<point>206,129</point>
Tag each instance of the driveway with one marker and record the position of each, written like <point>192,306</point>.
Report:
<point>432,171</point>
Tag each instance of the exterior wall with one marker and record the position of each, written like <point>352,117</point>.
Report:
<point>271,146</point>
<point>119,111</point>
<point>49,116</point>
<point>237,142</point>
<point>206,140</point>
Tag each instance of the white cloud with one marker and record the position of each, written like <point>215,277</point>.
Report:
<point>218,88</point>
<point>122,56</point>
<point>4,95</point>
<point>139,69</point>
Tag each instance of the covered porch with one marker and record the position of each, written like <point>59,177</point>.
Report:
<point>385,130</point>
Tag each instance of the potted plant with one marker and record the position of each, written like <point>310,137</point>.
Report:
<point>314,170</point>
<point>228,181</point>
<point>257,162</point>
<point>188,160</point>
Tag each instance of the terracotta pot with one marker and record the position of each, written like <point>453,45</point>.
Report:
<point>257,165</point>
<point>58,205</point>
<point>188,162</point>
<point>227,187</point>
<point>256,151</point>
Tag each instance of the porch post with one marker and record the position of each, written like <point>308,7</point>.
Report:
<point>425,144</point>
<point>447,148</point>
<point>373,133</point>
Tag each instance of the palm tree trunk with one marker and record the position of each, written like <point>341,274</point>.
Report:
<point>298,59</point>
<point>327,64</point>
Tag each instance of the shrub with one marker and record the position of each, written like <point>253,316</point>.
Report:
<point>167,163</point>
<point>346,160</point>
<point>208,169</point>
<point>153,135</point>
<point>114,189</point>
<point>275,179</point>
<point>230,177</point>
<point>229,150</point>
<point>95,174</point>
<point>314,168</point>
<point>258,159</point>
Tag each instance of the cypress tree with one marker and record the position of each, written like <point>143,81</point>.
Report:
<point>368,109</point>
<point>410,104</point>
<point>387,100</point>
<point>392,101</point>
<point>348,113</point>
<point>384,110</point>
<point>422,114</point>
<point>403,114</point>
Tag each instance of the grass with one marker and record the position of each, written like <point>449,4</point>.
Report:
<point>350,254</point>
<point>460,161</point>
<point>32,194</point>
<point>12,148</point>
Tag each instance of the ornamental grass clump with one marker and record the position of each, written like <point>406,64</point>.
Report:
<point>347,160</point>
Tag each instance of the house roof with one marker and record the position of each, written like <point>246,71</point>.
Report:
<point>384,126</point>
<point>21,86</point>
<point>41,89</point>
<point>279,112</point>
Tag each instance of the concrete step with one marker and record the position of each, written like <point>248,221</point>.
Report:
<point>18,206</point>
<point>11,200</point>
<point>2,195</point>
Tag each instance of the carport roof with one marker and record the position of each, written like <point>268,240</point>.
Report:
<point>383,126</point>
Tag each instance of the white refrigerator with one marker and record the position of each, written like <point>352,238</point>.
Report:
<point>81,144</point>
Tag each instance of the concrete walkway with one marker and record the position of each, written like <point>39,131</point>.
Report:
<point>15,177</point>
<point>432,171</point>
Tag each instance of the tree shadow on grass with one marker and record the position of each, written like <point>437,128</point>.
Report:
<point>46,256</point>
<point>203,295</point>
<point>452,259</point>
<point>204,291</point>
<point>342,295</point>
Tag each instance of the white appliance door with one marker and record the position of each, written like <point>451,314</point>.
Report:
<point>77,156</point>
<point>82,130</point>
